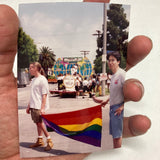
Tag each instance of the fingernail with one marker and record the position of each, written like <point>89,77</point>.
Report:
<point>139,124</point>
<point>140,86</point>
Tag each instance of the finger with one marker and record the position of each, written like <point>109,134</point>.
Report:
<point>138,48</point>
<point>135,125</point>
<point>133,90</point>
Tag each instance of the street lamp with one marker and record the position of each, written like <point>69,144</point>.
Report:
<point>99,34</point>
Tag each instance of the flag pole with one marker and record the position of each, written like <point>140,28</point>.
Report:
<point>104,46</point>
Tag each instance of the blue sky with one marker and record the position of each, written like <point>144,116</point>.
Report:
<point>66,27</point>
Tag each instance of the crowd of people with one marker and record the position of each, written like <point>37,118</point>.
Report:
<point>90,84</point>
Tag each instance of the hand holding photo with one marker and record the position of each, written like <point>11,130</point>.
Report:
<point>69,55</point>
<point>133,90</point>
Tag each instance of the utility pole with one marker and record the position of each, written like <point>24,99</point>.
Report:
<point>85,53</point>
<point>104,46</point>
<point>99,34</point>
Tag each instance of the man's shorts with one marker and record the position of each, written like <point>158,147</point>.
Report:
<point>36,116</point>
<point>85,88</point>
<point>116,122</point>
<point>77,88</point>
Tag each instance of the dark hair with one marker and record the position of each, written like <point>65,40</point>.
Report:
<point>115,54</point>
<point>39,68</point>
<point>94,76</point>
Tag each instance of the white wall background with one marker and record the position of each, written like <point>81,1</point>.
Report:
<point>144,21</point>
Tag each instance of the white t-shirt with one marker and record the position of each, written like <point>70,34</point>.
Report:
<point>60,78</point>
<point>85,83</point>
<point>39,87</point>
<point>90,82</point>
<point>116,87</point>
<point>77,83</point>
<point>73,71</point>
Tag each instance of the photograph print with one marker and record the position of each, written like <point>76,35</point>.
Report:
<point>70,97</point>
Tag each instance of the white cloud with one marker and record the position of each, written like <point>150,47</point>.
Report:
<point>40,24</point>
<point>64,35</point>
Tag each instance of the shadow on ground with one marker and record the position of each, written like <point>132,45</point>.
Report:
<point>41,149</point>
<point>22,107</point>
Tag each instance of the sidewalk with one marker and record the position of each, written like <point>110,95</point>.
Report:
<point>62,145</point>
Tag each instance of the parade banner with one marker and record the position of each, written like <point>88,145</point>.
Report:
<point>82,125</point>
<point>64,66</point>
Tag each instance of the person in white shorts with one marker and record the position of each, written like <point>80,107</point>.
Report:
<point>39,103</point>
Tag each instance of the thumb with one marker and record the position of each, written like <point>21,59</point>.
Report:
<point>8,91</point>
<point>8,39</point>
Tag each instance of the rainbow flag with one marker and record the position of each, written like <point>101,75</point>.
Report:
<point>82,125</point>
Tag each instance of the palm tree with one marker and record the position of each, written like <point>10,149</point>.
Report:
<point>46,58</point>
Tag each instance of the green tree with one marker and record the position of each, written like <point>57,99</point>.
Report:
<point>117,25</point>
<point>27,50</point>
<point>117,34</point>
<point>98,68</point>
<point>46,58</point>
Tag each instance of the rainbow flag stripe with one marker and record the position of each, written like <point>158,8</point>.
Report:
<point>82,125</point>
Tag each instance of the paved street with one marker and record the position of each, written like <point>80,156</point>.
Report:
<point>62,145</point>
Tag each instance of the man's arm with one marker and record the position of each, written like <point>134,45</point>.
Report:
<point>97,100</point>
<point>28,109</point>
<point>119,110</point>
<point>103,103</point>
<point>44,98</point>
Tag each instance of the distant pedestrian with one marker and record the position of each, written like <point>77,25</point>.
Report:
<point>90,86</point>
<point>77,86</point>
<point>98,85</point>
<point>39,103</point>
<point>85,85</point>
<point>94,83</point>
<point>60,81</point>
<point>80,80</point>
